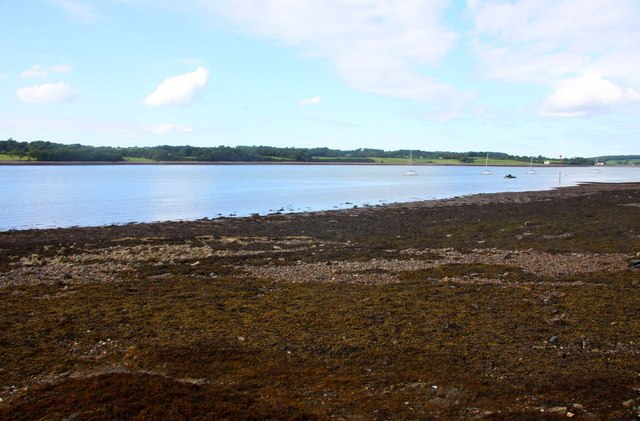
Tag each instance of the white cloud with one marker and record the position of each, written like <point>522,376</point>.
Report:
<point>3,76</point>
<point>377,46</point>
<point>310,101</point>
<point>586,95</point>
<point>544,41</point>
<point>163,129</point>
<point>77,10</point>
<point>36,71</point>
<point>46,94</point>
<point>179,90</point>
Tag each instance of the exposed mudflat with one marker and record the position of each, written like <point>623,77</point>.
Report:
<point>498,306</point>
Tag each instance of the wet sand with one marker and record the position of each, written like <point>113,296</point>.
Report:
<point>500,306</point>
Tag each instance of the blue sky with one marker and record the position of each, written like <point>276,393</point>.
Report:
<point>527,77</point>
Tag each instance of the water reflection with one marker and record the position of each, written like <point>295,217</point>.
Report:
<point>61,196</point>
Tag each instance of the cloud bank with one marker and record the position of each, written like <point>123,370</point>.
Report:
<point>37,71</point>
<point>179,90</point>
<point>376,46</point>
<point>47,93</point>
<point>544,41</point>
<point>585,95</point>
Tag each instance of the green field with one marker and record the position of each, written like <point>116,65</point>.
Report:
<point>132,159</point>
<point>391,161</point>
<point>476,161</point>
<point>623,162</point>
<point>5,157</point>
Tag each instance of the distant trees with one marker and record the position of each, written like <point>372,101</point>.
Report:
<point>13,148</point>
<point>579,161</point>
<point>48,151</point>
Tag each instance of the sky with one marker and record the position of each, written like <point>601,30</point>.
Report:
<point>525,77</point>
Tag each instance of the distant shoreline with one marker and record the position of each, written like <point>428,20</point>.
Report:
<point>419,164</point>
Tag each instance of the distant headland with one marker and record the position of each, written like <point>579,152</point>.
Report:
<point>16,152</point>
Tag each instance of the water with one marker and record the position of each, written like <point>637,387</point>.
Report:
<point>89,195</point>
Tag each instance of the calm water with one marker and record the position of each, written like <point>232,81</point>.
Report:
<point>62,196</point>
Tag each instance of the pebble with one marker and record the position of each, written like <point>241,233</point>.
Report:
<point>437,401</point>
<point>629,404</point>
<point>578,407</point>
<point>558,410</point>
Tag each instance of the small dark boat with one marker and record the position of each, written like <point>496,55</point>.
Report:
<point>510,176</point>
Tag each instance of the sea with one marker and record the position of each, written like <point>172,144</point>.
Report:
<point>52,196</point>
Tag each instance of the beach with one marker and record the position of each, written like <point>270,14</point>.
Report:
<point>500,306</point>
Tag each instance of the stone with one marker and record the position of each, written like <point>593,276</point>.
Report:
<point>554,339</point>
<point>577,407</point>
<point>437,401</point>
<point>629,404</point>
<point>558,410</point>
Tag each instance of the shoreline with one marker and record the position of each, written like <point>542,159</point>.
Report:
<point>473,198</point>
<point>416,164</point>
<point>519,305</point>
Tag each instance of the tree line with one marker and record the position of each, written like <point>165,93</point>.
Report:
<point>49,151</point>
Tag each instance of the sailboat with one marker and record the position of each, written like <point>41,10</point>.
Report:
<point>410,171</point>
<point>486,166</point>
<point>596,170</point>
<point>531,170</point>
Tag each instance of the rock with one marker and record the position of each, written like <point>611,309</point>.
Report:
<point>413,385</point>
<point>34,260</point>
<point>448,392</point>
<point>437,401</point>
<point>634,264</point>
<point>629,404</point>
<point>554,339</point>
<point>558,411</point>
<point>570,415</point>
<point>558,319</point>
<point>577,407</point>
